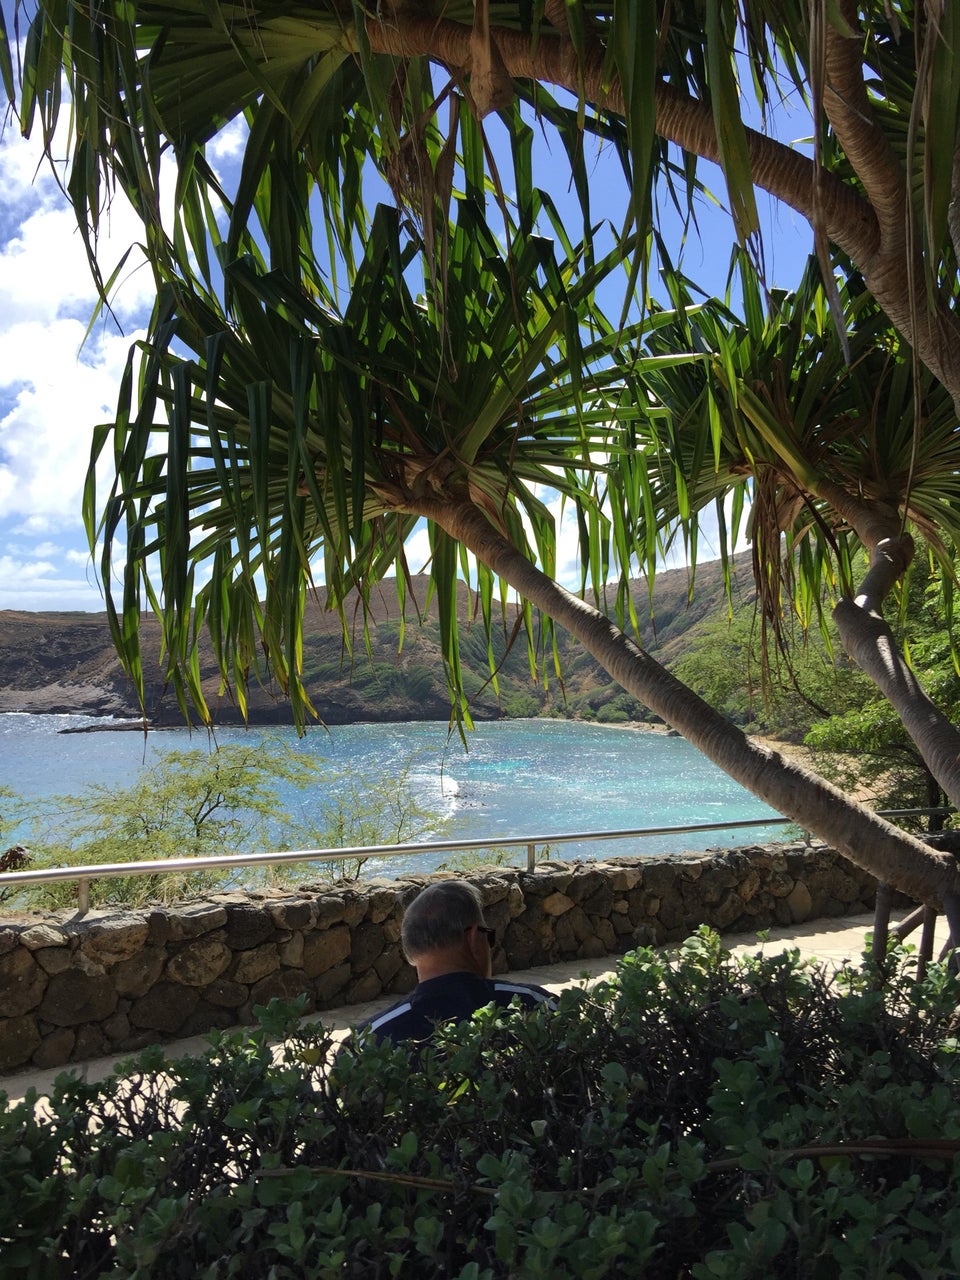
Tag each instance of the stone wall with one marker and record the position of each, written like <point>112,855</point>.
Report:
<point>113,981</point>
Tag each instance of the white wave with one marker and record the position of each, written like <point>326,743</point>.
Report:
<point>437,791</point>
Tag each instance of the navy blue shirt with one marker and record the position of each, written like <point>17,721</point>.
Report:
<point>450,998</point>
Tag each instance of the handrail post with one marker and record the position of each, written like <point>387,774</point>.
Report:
<point>83,897</point>
<point>531,857</point>
<point>881,922</point>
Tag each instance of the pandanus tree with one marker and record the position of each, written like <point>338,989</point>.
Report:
<point>330,84</point>
<point>270,438</point>
<point>323,90</point>
<point>845,447</point>
<point>291,428</point>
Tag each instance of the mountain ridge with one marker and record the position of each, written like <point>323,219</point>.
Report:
<point>65,663</point>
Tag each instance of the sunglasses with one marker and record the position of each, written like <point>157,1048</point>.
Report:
<point>487,932</point>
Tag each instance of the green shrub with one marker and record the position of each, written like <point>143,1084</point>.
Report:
<point>697,1117</point>
<point>519,706</point>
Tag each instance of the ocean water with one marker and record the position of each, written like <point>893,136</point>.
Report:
<point>519,778</point>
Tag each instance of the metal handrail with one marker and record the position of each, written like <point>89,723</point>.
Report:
<point>167,866</point>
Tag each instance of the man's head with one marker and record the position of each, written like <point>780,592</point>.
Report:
<point>444,931</point>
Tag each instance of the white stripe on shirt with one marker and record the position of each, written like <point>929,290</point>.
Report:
<point>390,1014</point>
<point>521,989</point>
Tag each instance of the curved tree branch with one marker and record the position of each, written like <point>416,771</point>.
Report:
<point>889,560</point>
<point>869,641</point>
<point>867,234</point>
<point>851,116</point>
<point>778,169</point>
<point>892,855</point>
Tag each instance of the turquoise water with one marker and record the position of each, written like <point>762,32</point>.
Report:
<point>520,778</point>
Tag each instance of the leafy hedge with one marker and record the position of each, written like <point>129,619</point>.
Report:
<point>700,1116</point>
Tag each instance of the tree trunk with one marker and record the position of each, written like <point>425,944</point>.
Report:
<point>868,640</point>
<point>872,843</point>
<point>870,643</point>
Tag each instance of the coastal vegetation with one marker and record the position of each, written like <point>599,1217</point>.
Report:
<point>697,1116</point>
<point>231,798</point>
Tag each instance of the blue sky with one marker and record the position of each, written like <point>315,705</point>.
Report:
<point>54,387</point>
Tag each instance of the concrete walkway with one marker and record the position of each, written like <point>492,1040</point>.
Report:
<point>832,940</point>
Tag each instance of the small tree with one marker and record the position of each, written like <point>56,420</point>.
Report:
<point>196,803</point>
<point>371,811</point>
<point>190,803</point>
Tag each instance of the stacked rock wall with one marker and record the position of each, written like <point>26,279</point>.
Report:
<point>111,982</point>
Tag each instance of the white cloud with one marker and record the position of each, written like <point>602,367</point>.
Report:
<point>45,434</point>
<point>43,264</point>
<point>228,144</point>
<point>78,557</point>
<point>12,568</point>
<point>47,549</point>
<point>41,584</point>
<point>56,382</point>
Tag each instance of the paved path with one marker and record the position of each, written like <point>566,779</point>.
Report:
<point>833,940</point>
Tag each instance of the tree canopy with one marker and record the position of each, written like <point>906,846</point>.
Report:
<point>334,85</point>
<point>266,419</point>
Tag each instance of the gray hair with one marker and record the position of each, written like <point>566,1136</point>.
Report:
<point>439,916</point>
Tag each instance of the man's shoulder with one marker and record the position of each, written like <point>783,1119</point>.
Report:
<point>394,1015</point>
<point>526,992</point>
<point>451,997</point>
